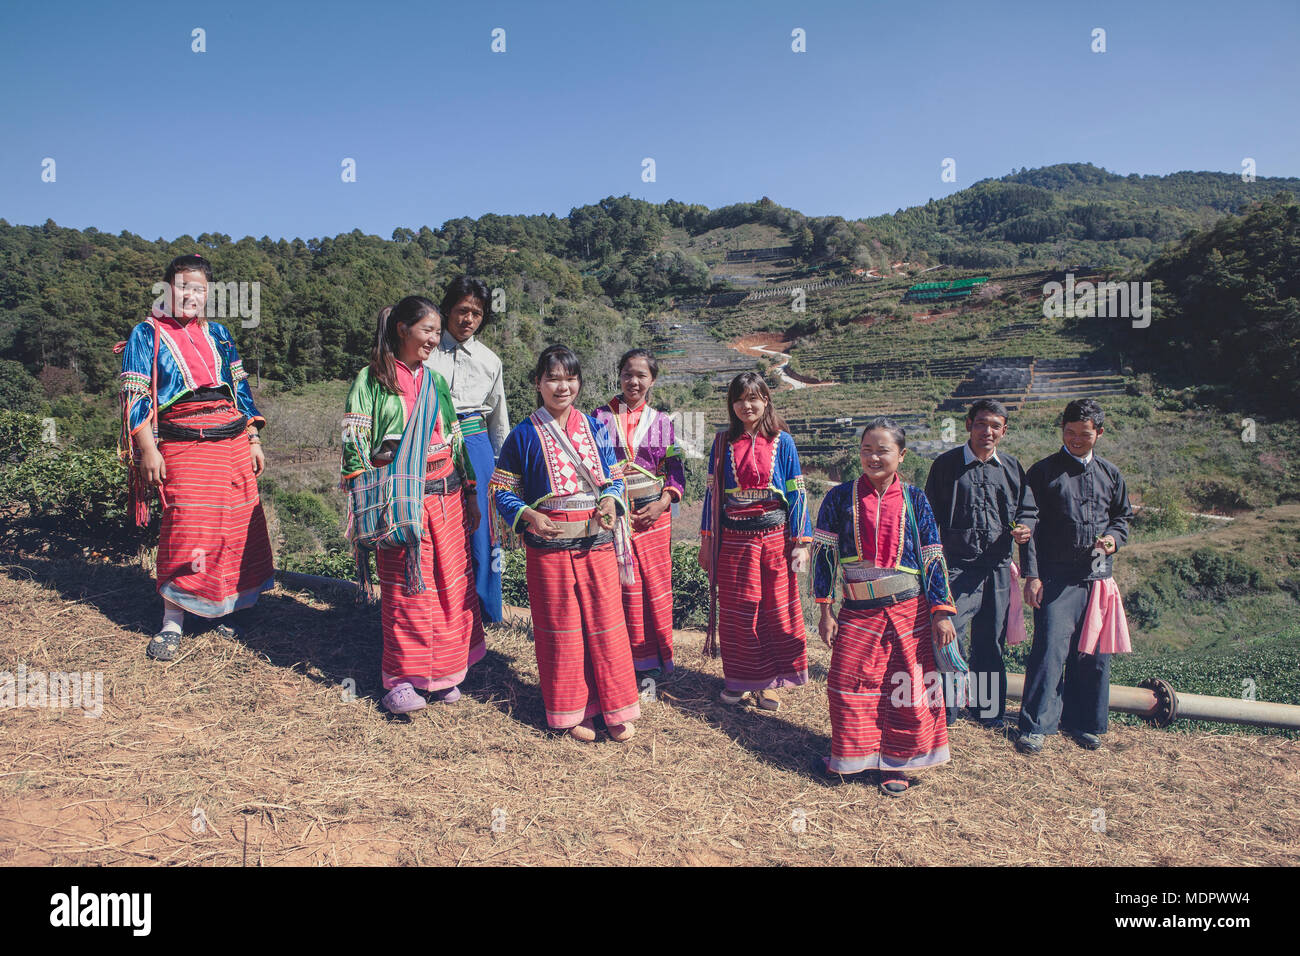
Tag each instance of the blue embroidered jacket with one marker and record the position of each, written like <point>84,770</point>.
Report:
<point>836,543</point>
<point>523,474</point>
<point>174,379</point>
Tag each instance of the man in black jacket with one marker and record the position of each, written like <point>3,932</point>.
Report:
<point>982,502</point>
<point>1083,518</point>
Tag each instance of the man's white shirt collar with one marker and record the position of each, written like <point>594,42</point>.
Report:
<point>969,455</point>
<point>1082,461</point>
<point>449,343</point>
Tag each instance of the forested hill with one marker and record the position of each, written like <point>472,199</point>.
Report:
<point>588,278</point>
<point>1068,214</point>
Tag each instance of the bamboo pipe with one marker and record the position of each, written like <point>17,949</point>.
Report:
<point>1157,701</point>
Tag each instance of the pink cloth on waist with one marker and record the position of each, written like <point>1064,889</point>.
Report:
<point>1105,628</point>
<point>1016,633</point>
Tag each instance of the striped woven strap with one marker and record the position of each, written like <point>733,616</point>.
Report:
<point>472,424</point>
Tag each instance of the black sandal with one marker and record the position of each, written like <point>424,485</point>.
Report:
<point>894,786</point>
<point>164,646</point>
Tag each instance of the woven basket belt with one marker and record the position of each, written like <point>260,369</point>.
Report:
<point>899,586</point>
<point>639,484</point>
<point>586,528</point>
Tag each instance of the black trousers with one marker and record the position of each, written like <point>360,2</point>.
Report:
<point>1062,689</point>
<point>983,597</point>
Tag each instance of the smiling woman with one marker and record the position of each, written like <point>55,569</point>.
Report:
<point>189,427</point>
<point>560,485</point>
<point>432,635</point>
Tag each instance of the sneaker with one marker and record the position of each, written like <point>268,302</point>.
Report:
<point>1088,741</point>
<point>733,697</point>
<point>1030,743</point>
<point>403,699</point>
<point>448,695</point>
<point>767,700</point>
<point>164,646</point>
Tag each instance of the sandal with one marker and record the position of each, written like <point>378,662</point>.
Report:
<point>893,784</point>
<point>164,646</point>
<point>228,631</point>
<point>403,699</point>
<point>448,695</point>
<point>585,731</point>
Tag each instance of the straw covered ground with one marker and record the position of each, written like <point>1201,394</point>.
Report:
<point>255,751</point>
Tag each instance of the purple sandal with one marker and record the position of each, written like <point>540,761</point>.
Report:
<point>403,699</point>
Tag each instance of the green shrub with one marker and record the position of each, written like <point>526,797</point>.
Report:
<point>85,490</point>
<point>19,391</point>
<point>1219,494</point>
<point>20,436</point>
<point>1164,511</point>
<point>514,585</point>
<point>1203,575</point>
<point>1142,607</point>
<point>334,563</point>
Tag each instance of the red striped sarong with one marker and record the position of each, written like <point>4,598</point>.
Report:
<point>214,555</point>
<point>433,638</point>
<point>648,601</point>
<point>760,617</point>
<point>584,659</point>
<point>886,694</point>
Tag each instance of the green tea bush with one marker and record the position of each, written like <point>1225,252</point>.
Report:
<point>20,436</point>
<point>334,563</point>
<point>19,390</point>
<point>85,491</point>
<point>1203,575</point>
<point>1164,512</point>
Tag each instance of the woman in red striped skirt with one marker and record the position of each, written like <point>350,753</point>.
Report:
<point>885,685</point>
<point>756,534</point>
<point>189,427</point>
<point>558,485</point>
<point>433,637</point>
<point>653,480</point>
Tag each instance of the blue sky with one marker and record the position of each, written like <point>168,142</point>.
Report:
<point>248,137</point>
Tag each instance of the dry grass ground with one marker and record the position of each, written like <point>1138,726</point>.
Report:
<point>250,751</point>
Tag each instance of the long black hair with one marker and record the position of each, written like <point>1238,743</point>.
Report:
<point>383,358</point>
<point>771,424</point>
<point>554,355</point>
